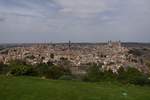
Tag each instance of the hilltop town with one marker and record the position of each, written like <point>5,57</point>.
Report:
<point>112,55</point>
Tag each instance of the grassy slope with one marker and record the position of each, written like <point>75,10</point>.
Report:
<point>30,88</point>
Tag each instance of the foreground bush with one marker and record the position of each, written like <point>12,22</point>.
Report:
<point>96,74</point>
<point>4,69</point>
<point>56,72</point>
<point>133,76</point>
<point>41,69</point>
<point>125,76</point>
<point>51,71</point>
<point>19,68</point>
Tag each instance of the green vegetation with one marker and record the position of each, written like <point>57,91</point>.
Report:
<point>20,68</point>
<point>133,76</point>
<point>95,73</point>
<point>3,68</point>
<point>126,76</point>
<point>127,84</point>
<point>31,88</point>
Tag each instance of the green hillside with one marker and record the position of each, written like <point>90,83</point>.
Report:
<point>31,88</point>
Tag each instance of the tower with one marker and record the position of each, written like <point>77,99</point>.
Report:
<point>69,45</point>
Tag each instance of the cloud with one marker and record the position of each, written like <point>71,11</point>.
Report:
<point>77,20</point>
<point>2,19</point>
<point>36,8</point>
<point>85,8</point>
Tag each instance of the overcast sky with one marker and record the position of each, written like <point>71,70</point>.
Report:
<point>75,20</point>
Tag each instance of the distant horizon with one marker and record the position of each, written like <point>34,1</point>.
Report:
<point>61,42</point>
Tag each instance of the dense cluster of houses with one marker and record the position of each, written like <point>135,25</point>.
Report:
<point>111,55</point>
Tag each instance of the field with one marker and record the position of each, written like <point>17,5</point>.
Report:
<point>31,88</point>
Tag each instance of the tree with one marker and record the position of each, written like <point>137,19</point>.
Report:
<point>52,56</point>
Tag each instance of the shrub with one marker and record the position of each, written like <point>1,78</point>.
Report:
<point>4,69</point>
<point>96,74</point>
<point>132,76</point>
<point>126,76</point>
<point>51,71</point>
<point>93,74</point>
<point>142,80</point>
<point>19,68</point>
<point>41,69</point>
<point>55,72</point>
<point>109,76</point>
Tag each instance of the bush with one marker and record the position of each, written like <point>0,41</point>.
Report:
<point>109,76</point>
<point>126,76</point>
<point>55,72</point>
<point>93,74</point>
<point>19,68</point>
<point>142,80</point>
<point>132,76</point>
<point>41,69</point>
<point>51,71</point>
<point>4,69</point>
<point>96,74</point>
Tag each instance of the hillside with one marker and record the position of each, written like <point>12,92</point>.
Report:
<point>30,88</point>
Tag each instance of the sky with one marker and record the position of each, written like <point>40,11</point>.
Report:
<point>26,21</point>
